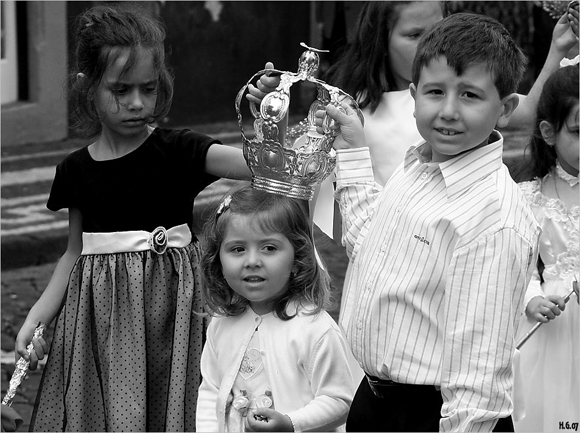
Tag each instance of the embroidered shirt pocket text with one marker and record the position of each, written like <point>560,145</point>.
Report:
<point>421,239</point>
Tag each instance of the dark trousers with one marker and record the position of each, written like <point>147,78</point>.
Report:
<point>402,408</point>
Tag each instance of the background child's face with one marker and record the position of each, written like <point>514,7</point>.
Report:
<point>414,19</point>
<point>126,102</point>
<point>457,113</point>
<point>567,144</point>
<point>255,264</point>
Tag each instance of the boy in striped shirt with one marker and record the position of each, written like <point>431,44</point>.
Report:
<point>442,255</point>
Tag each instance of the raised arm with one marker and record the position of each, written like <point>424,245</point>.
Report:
<point>356,189</point>
<point>564,43</point>
<point>227,161</point>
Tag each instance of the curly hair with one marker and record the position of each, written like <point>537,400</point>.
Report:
<point>270,213</point>
<point>102,33</point>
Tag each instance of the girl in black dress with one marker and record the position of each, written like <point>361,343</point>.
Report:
<point>128,337</point>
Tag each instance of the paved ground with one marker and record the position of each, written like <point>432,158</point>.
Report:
<point>33,239</point>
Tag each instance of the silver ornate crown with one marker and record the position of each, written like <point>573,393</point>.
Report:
<point>292,165</point>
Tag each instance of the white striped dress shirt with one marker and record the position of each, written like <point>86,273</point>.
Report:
<point>441,258</point>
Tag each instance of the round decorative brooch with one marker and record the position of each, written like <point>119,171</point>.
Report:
<point>158,240</point>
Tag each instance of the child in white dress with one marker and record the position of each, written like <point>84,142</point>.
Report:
<point>550,358</point>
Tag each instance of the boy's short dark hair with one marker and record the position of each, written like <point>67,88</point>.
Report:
<point>466,39</point>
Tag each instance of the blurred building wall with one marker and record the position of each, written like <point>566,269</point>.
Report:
<point>214,47</point>
<point>39,112</point>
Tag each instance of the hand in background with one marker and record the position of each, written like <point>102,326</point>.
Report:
<point>565,34</point>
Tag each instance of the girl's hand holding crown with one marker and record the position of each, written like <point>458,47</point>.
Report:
<point>346,119</point>
<point>266,83</point>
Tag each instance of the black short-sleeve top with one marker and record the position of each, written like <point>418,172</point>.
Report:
<point>152,186</point>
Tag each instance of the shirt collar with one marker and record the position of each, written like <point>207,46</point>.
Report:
<point>461,172</point>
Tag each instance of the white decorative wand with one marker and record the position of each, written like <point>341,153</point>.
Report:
<point>21,368</point>
<point>537,325</point>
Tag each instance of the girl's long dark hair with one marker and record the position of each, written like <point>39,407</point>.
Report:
<point>362,69</point>
<point>101,33</point>
<point>559,96</point>
<point>271,213</point>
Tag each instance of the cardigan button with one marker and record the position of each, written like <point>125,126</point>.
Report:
<point>264,400</point>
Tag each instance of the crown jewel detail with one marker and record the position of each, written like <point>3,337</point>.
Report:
<point>295,162</point>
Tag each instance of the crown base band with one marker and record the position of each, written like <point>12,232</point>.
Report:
<point>301,192</point>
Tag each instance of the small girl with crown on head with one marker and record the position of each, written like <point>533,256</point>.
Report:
<point>274,360</point>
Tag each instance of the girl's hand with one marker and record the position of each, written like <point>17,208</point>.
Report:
<point>573,16</point>
<point>351,129</point>
<point>22,341</point>
<point>565,34</point>
<point>266,84</point>
<point>545,309</point>
<point>266,419</point>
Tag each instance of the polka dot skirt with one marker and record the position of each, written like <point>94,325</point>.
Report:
<point>126,347</point>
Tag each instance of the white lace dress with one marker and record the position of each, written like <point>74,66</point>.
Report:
<point>550,359</point>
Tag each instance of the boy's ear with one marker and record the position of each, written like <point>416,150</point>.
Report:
<point>548,133</point>
<point>510,103</point>
<point>413,90</point>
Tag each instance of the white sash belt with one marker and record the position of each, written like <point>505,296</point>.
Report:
<point>131,241</point>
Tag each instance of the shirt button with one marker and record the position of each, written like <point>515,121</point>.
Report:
<point>424,176</point>
<point>359,325</point>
